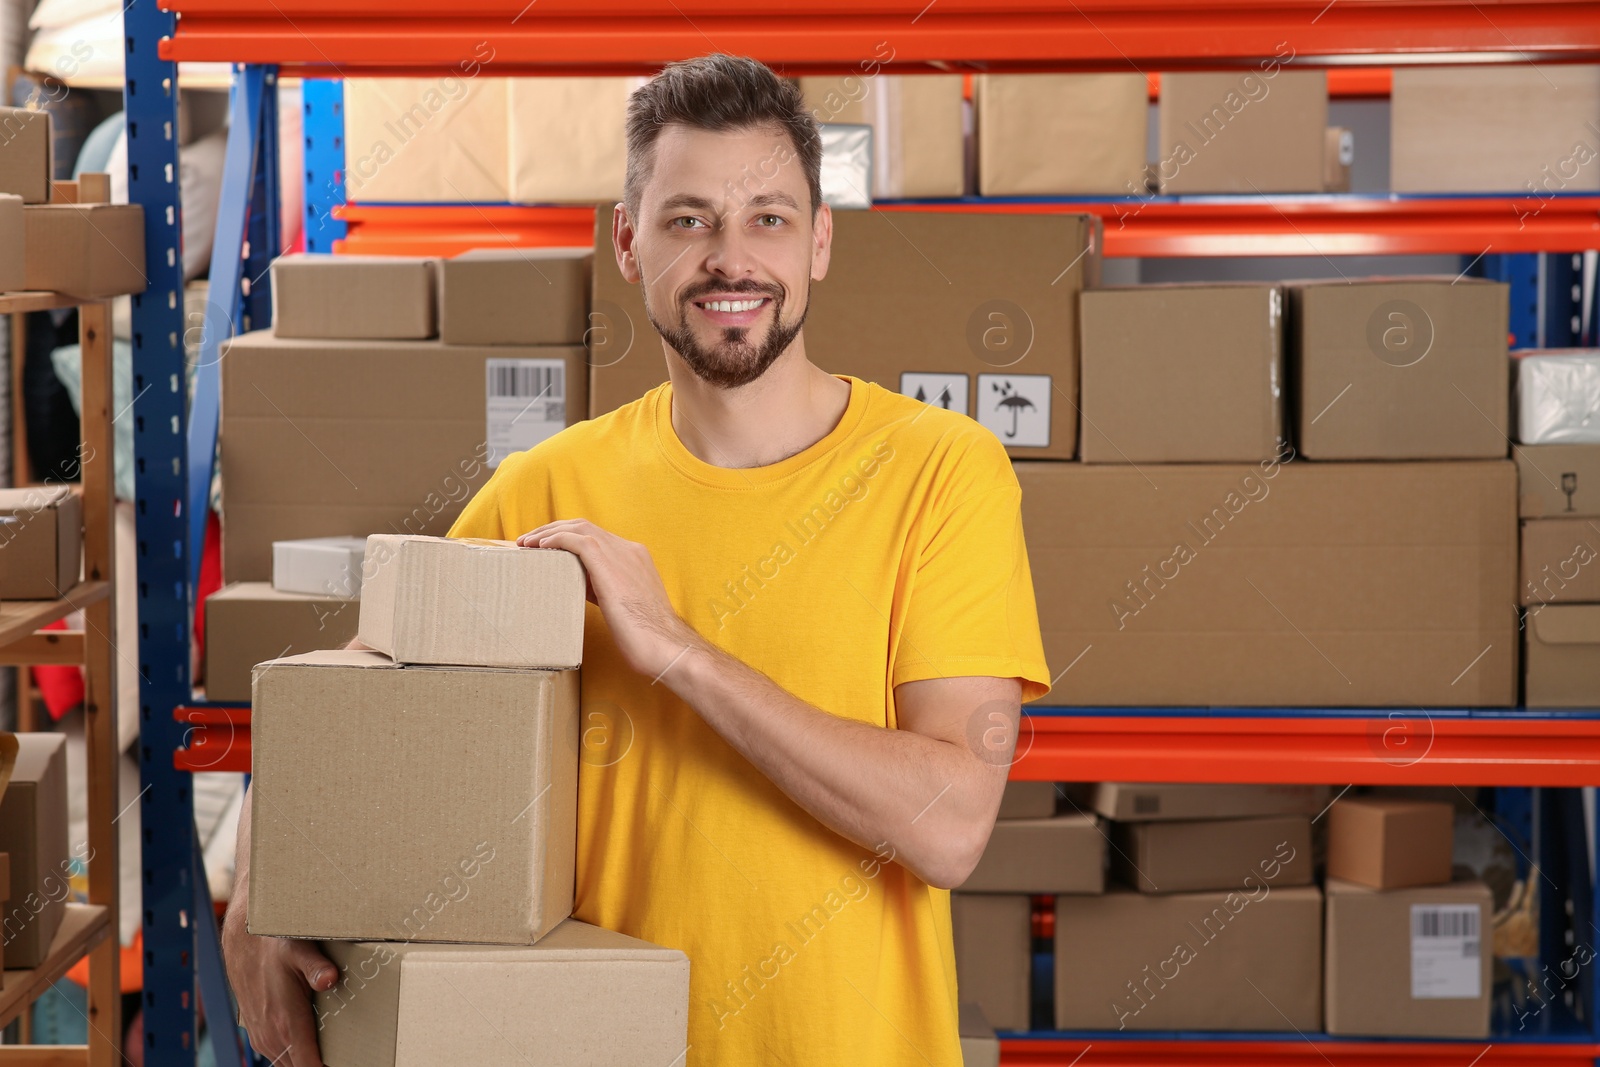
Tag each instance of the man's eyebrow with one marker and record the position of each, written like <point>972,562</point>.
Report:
<point>688,200</point>
<point>773,200</point>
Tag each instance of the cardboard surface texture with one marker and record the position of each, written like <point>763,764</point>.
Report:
<point>1061,854</point>
<point>979,1046</point>
<point>1390,842</point>
<point>1028,800</point>
<point>1182,373</point>
<point>250,622</point>
<point>1558,481</point>
<point>581,997</point>
<point>1561,658</point>
<point>427,140</point>
<point>1409,962</point>
<point>85,250</point>
<point>1250,131</point>
<point>386,822</point>
<point>1560,561</point>
<point>353,297</point>
<point>1167,801</point>
<point>1558,394</point>
<point>33,832</point>
<point>1201,854</point>
<point>567,139</point>
<point>41,542</point>
<point>993,945</point>
<point>319,566</point>
<point>28,161</point>
<point>13,243</point>
<point>520,296</point>
<point>917,137</point>
<point>1061,134</point>
<point>431,600</point>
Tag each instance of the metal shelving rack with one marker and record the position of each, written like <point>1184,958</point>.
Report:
<point>323,41</point>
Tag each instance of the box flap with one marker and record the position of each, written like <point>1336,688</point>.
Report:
<point>1567,624</point>
<point>570,940</point>
<point>33,498</point>
<point>333,657</point>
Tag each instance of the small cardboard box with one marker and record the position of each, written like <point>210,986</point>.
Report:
<point>517,296</point>
<point>1411,368</point>
<point>427,140</point>
<point>1558,481</point>
<point>353,297</point>
<point>1028,800</point>
<point>918,144</point>
<point>250,622</point>
<point>319,566</point>
<point>1561,660</point>
<point>33,831</point>
<point>85,250</point>
<point>1200,854</point>
<point>13,243</point>
<point>1061,134</point>
<point>41,542</point>
<point>994,955</point>
<point>581,996</point>
<point>27,160</point>
<point>386,821</point>
<point>1242,131</point>
<point>1560,561</point>
<point>567,142</point>
<point>1062,854</point>
<point>466,602</point>
<point>1182,373</point>
<point>1390,842</point>
<point>1166,801</point>
<point>1409,962</point>
<point>979,1046</point>
<point>1558,395</point>
<point>1246,959</point>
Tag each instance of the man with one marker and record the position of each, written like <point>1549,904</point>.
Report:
<point>800,700</point>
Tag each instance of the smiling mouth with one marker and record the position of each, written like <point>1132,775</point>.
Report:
<point>732,306</point>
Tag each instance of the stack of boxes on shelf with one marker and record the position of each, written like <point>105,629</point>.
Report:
<point>458,912</point>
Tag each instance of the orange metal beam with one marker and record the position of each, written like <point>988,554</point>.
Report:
<point>450,229</point>
<point>1293,1051</point>
<point>218,739</point>
<point>1357,82</point>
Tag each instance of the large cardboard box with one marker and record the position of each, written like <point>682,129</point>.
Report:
<point>515,296</point>
<point>1512,127</point>
<point>1061,854</point>
<point>13,243</point>
<point>432,600</point>
<point>1561,659</point>
<point>353,297</point>
<point>1278,585</point>
<point>568,138</point>
<point>33,832</point>
<point>918,143</point>
<point>1169,801</point>
<point>1247,131</point>
<point>27,163</point>
<point>1249,958</point>
<point>1558,481</point>
<point>1200,854</point>
<point>1558,392</point>
<point>1560,561</point>
<point>41,542</point>
<point>1182,373</point>
<point>319,566</point>
<point>1409,962</point>
<point>1390,842</point>
<point>427,139</point>
<point>387,822</point>
<point>85,250</point>
<point>1401,368</point>
<point>1028,800</point>
<point>353,437</point>
<point>582,996</point>
<point>994,954</point>
<point>1062,134</point>
<point>250,622</point>
<point>979,1046</point>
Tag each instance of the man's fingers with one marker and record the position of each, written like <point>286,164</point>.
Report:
<point>303,1050</point>
<point>317,970</point>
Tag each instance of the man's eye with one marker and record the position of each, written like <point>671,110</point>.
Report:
<point>687,222</point>
<point>771,220</point>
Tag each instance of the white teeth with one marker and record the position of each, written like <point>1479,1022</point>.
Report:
<point>731,305</point>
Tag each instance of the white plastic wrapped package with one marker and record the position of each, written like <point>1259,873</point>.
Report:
<point>1558,397</point>
<point>846,165</point>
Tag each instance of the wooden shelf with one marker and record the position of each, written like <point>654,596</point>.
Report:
<point>83,927</point>
<point>37,301</point>
<point>19,618</point>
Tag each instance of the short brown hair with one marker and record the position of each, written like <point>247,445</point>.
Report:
<point>718,92</point>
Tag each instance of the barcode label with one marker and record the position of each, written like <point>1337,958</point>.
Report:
<point>525,401</point>
<point>1446,952</point>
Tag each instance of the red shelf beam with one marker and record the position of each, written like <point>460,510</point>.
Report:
<point>450,229</point>
<point>1293,1052</point>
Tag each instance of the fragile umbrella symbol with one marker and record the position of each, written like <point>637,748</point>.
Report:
<point>1010,398</point>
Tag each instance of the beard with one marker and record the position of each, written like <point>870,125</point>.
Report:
<point>735,359</point>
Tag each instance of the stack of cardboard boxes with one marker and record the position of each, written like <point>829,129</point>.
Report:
<point>459,911</point>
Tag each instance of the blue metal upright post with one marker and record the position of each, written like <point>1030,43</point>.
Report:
<point>324,134</point>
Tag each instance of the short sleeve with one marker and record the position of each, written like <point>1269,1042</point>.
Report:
<point>483,516</point>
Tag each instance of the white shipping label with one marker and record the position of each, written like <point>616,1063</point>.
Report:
<point>527,402</point>
<point>1016,407</point>
<point>948,391</point>
<point>1446,960</point>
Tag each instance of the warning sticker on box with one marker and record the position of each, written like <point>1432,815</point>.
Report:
<point>526,401</point>
<point>1016,407</point>
<point>1445,952</point>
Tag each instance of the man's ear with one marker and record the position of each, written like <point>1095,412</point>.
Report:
<point>622,238</point>
<point>822,242</point>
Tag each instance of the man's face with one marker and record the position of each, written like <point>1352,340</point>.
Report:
<point>727,249</point>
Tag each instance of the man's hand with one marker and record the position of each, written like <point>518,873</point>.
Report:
<point>273,978</point>
<point>624,582</point>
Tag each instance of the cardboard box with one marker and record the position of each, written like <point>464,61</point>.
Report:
<point>1561,658</point>
<point>1200,854</point>
<point>1182,373</point>
<point>427,140</point>
<point>1558,480</point>
<point>581,996</point>
<point>1560,561</point>
<point>1062,854</point>
<point>41,542</point>
<point>979,1046</point>
<point>349,437</point>
<point>1294,584</point>
<point>568,138</point>
<point>27,160</point>
<point>1390,842</point>
<point>13,244</point>
<point>1339,153</point>
<point>85,250</point>
<point>467,602</point>
<point>330,856</point>
<point>1401,369</point>
<point>1028,800</point>
<point>250,622</point>
<point>976,312</point>
<point>353,297</point>
<point>1061,134</point>
<point>918,143</point>
<point>515,296</point>
<point>319,566</point>
<point>1409,962</point>
<point>1169,801</point>
<point>33,831</point>
<point>1242,131</point>
<point>1558,393</point>
<point>994,954</point>
<point>1498,128</point>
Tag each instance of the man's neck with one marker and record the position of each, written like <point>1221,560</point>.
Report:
<point>788,409</point>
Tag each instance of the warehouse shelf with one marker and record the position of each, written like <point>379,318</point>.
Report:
<point>17,302</point>
<point>82,928</point>
<point>19,618</point>
<point>1113,1049</point>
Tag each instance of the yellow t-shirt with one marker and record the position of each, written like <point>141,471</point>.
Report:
<point>889,551</point>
